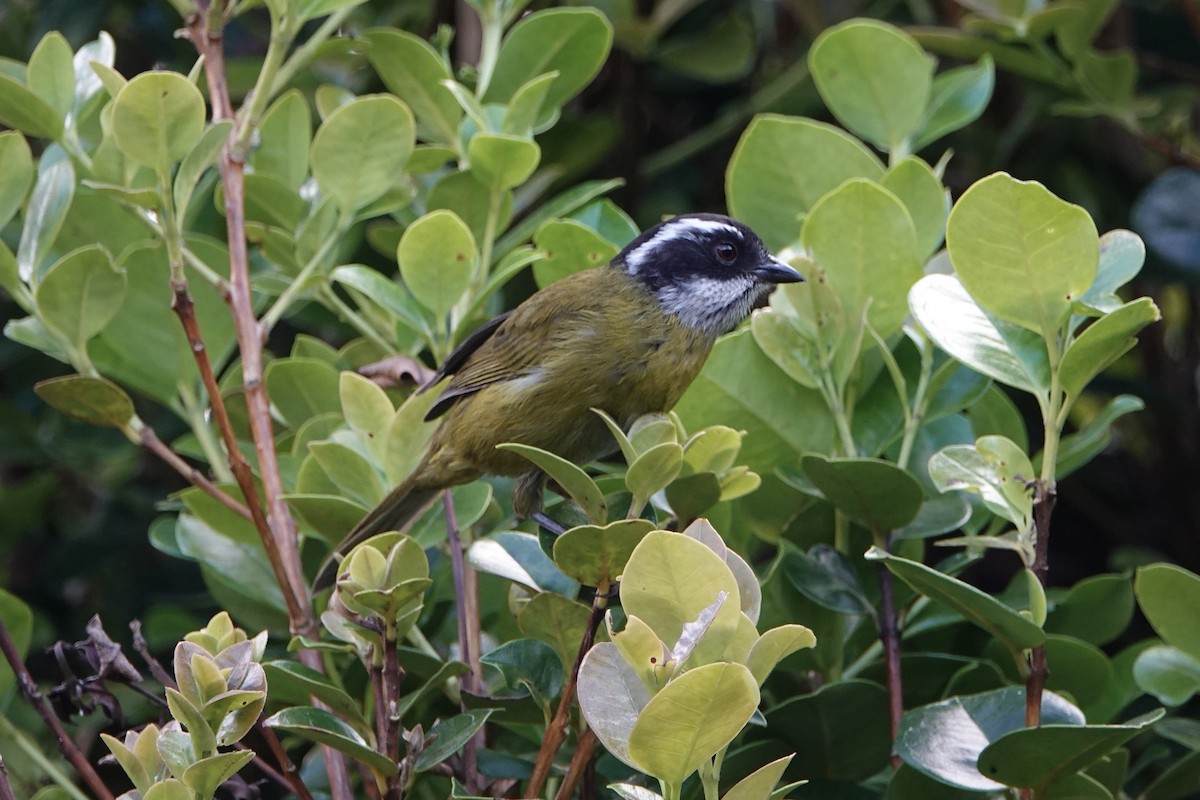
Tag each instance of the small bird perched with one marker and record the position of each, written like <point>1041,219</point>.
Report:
<point>627,338</point>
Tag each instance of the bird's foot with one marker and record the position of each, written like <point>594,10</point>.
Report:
<point>546,522</point>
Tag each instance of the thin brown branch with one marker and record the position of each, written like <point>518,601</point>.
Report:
<point>6,789</point>
<point>466,601</point>
<point>556,732</point>
<point>151,442</point>
<point>281,544</point>
<point>66,745</point>
<point>580,759</point>
<point>1035,682</point>
<point>287,776</point>
<point>889,634</point>
<point>389,716</point>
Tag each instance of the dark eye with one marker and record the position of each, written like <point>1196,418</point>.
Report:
<point>726,252</point>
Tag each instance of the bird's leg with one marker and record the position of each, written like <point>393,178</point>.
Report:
<point>527,501</point>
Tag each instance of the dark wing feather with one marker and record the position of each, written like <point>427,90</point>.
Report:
<point>472,374</point>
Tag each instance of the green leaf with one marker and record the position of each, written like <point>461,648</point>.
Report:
<point>776,645</point>
<point>80,294</point>
<point>360,150</point>
<point>780,417</point>
<point>875,79</point>
<point>350,471</point>
<point>1037,757</point>
<point>466,196</point>
<point>157,118</point>
<point>772,177</point>
<point>597,555</point>
<point>520,558</point>
<point>722,51</point>
<point>293,682</point>
<point>692,718</point>
<point>18,618</point>
<point>201,157</point>
<point>1169,596</point>
<point>1022,253</point>
<point>574,481</point>
<point>760,784</point>
<point>437,260</point>
<point>1122,254</point>
<point>1013,630</point>
<point>284,137</point>
<point>51,73</point>
<point>1080,447</point>
<point>1097,609</point>
<point>611,696</point>
<point>377,287</point>
<point>574,42</point>
<point>367,409</point>
<point>944,740</point>
<point>44,216</point>
<point>1103,342</point>
<point>827,577</point>
<point>556,620</point>
<point>302,388</point>
<point>927,201</point>
<point>95,401</point>
<point>448,737</point>
<point>16,173</point>
<point>958,96</point>
<point>569,246</point>
<point>874,493</point>
<point>25,111</point>
<point>528,666</point>
<point>958,325</point>
<point>526,105</point>
<point>1168,673</point>
<point>670,579</point>
<point>204,776</point>
<point>560,205</point>
<point>863,238</point>
<point>839,732</point>
<point>501,160</point>
<point>654,470</point>
<point>321,726</point>
<point>414,71</point>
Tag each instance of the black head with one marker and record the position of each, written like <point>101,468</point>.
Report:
<point>707,269</point>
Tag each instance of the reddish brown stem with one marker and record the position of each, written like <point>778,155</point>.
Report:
<point>151,442</point>
<point>387,715</point>
<point>556,733</point>
<point>282,548</point>
<point>65,744</point>
<point>6,790</point>
<point>580,760</point>
<point>1035,683</point>
<point>889,635</point>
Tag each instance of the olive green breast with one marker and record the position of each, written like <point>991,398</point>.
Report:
<point>596,339</point>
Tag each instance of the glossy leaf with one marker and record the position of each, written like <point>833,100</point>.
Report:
<point>611,697</point>
<point>958,325</point>
<point>44,216</point>
<point>80,294</point>
<point>957,97</point>
<point>518,557</point>
<point>302,388</point>
<point>285,134</point>
<point>157,118</point>
<point>1080,447</point>
<point>1169,596</point>
<point>569,246</point>
<point>95,401</point>
<point>1122,254</point>
<point>772,178</point>
<point>448,737</point>
<point>875,79</point>
<point>581,488</point>
<point>574,42</point>
<point>1168,673</point>
<point>1103,342</point>
<point>503,161</point>
<point>414,71</point>
<point>876,494</point>
<point>1037,757</point>
<point>944,740</point>
<point>528,666</point>
<point>692,718</point>
<point>359,152</point>
<point>596,556</point>
<point>556,620</point>
<point>776,645</point>
<point>654,469</point>
<point>839,732</point>
<point>927,201</point>
<point>1022,253</point>
<point>51,73</point>
<point>1012,629</point>
<point>319,725</point>
<point>1097,609</point>
<point>16,173</point>
<point>827,577</point>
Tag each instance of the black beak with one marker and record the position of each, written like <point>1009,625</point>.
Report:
<point>775,271</point>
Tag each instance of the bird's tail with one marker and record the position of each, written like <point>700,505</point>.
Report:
<point>396,512</point>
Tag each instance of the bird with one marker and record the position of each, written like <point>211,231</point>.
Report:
<point>627,338</point>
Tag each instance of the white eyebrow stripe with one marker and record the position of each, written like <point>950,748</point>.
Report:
<point>685,228</point>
